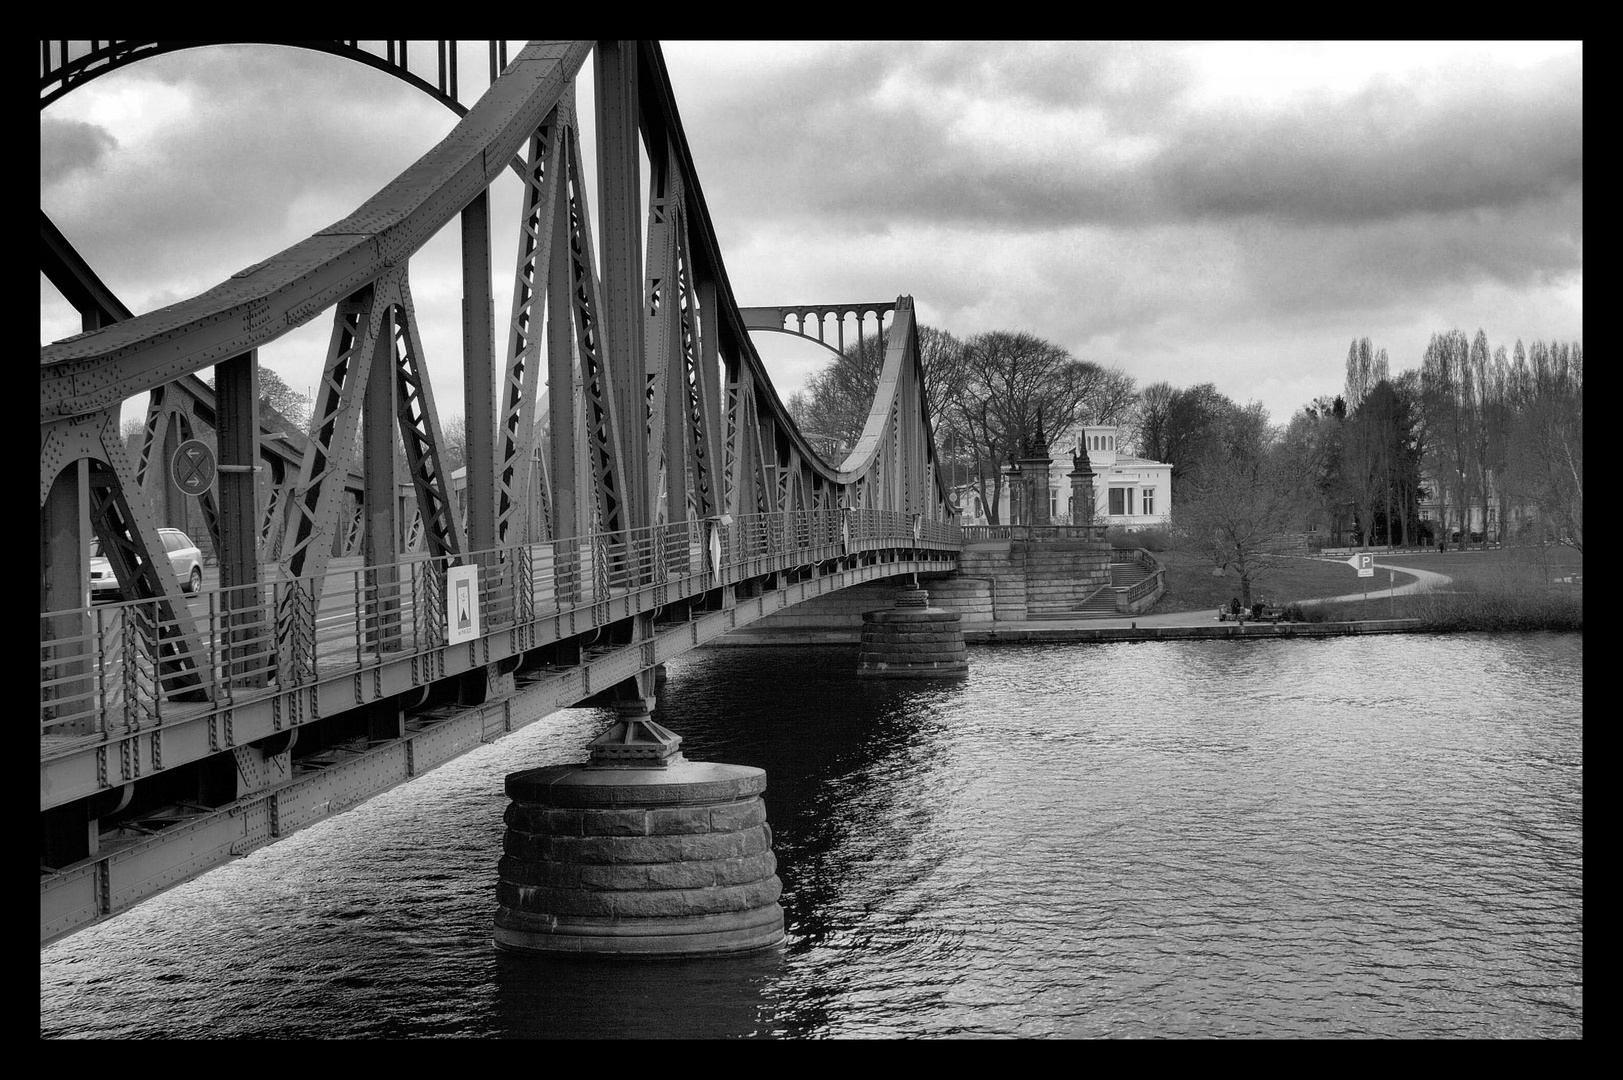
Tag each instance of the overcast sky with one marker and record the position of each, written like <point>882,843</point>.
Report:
<point>1230,212</point>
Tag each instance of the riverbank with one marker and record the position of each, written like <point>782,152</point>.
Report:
<point>1325,578</point>
<point>1024,633</point>
<point>1472,606</point>
<point>1176,626</point>
<point>1494,598</point>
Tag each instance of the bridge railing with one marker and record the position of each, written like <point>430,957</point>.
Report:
<point>125,666</point>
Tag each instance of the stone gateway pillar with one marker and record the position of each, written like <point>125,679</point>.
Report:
<point>1082,497</point>
<point>1033,467</point>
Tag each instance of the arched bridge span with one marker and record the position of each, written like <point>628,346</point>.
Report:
<point>634,487</point>
<point>779,320</point>
<point>66,65</point>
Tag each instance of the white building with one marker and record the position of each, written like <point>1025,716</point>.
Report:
<point>1128,491</point>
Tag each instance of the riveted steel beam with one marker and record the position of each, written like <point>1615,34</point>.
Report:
<point>257,305</point>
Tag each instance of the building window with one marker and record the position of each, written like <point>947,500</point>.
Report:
<point>1149,500</point>
<point>1118,501</point>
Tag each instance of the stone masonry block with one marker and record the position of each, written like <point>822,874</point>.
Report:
<point>564,822</point>
<point>613,876</point>
<point>677,821</point>
<point>735,817</point>
<point>615,823</point>
<point>943,656</point>
<point>638,849</point>
<point>538,872</point>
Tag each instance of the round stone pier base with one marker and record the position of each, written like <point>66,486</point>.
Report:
<point>669,861</point>
<point>912,641</point>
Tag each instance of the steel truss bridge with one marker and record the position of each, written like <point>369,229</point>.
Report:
<point>634,487</point>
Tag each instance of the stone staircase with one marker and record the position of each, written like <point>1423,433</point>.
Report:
<point>1124,575</point>
<point>1102,604</point>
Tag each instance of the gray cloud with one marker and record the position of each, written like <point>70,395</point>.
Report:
<point>67,146</point>
<point>1432,146</point>
<point>829,141</point>
<point>1131,221</point>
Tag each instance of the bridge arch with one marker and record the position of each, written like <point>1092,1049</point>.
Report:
<point>64,68</point>
<point>776,319</point>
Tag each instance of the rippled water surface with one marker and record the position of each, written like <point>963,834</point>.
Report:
<point>1355,837</point>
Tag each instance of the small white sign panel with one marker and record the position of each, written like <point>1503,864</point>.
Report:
<point>462,604</point>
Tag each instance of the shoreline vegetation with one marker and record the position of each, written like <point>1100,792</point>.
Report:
<point>1498,589</point>
<point>1465,607</point>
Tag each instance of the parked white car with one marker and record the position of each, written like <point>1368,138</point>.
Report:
<point>185,556</point>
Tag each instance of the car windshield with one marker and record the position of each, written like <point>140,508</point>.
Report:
<point>95,549</point>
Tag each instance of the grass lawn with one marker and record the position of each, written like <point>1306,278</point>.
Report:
<point>1496,566</point>
<point>1191,586</point>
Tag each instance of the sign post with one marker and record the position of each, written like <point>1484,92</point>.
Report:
<point>1364,563</point>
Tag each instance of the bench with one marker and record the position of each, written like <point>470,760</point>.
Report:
<point>1269,615</point>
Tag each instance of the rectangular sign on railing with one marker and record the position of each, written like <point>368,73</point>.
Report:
<point>462,613</point>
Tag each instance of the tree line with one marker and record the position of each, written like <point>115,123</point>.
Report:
<point>1487,435</point>
<point>987,398</point>
<point>1490,435</point>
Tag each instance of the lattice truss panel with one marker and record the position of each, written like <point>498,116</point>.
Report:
<point>628,396</point>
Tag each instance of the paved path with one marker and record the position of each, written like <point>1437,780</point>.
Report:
<point>1425,581</point>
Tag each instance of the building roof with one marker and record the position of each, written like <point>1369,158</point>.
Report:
<point>1122,461</point>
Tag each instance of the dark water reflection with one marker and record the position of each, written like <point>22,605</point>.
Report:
<point>1357,837</point>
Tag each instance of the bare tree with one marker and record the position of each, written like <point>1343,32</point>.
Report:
<point>287,402</point>
<point>1012,381</point>
<point>454,452</point>
<point>1366,366</point>
<point>1146,426</point>
<point>1186,427</point>
<point>1242,515</point>
<point>1546,457</point>
<point>1443,375</point>
<point>835,402</point>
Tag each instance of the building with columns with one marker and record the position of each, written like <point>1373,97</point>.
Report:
<point>1128,491</point>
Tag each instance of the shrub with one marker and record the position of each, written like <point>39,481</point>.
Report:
<point>1150,538</point>
<point>1468,606</point>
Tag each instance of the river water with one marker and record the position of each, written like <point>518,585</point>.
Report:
<point>1353,837</point>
